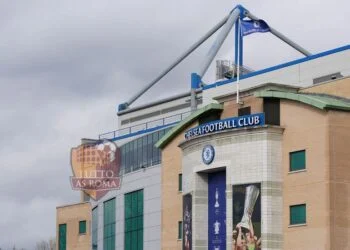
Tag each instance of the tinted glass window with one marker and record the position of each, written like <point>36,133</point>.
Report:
<point>298,214</point>
<point>109,224</point>
<point>244,111</point>
<point>272,111</point>
<point>141,152</point>
<point>94,229</point>
<point>133,212</point>
<point>297,160</point>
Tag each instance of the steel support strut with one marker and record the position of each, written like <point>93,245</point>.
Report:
<point>219,41</point>
<point>282,37</point>
<point>175,63</point>
<point>197,78</point>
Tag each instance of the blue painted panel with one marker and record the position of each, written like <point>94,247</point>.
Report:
<point>225,124</point>
<point>217,211</point>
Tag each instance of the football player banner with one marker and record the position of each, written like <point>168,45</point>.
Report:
<point>187,222</point>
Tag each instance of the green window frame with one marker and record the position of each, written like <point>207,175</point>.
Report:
<point>109,224</point>
<point>133,214</point>
<point>179,230</point>
<point>297,214</point>
<point>297,160</point>
<point>180,182</point>
<point>82,227</point>
<point>62,237</point>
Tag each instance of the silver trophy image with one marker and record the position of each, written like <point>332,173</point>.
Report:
<point>251,195</point>
<point>216,199</point>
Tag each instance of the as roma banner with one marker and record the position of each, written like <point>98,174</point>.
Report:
<point>96,167</point>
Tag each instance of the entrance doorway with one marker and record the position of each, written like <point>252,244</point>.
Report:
<point>217,211</point>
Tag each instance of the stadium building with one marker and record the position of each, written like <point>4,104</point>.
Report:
<point>256,161</point>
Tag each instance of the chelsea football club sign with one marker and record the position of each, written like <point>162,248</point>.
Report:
<point>229,123</point>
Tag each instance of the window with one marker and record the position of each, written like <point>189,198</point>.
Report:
<point>297,161</point>
<point>133,236</point>
<point>179,230</point>
<point>127,158</point>
<point>208,118</point>
<point>155,159</point>
<point>144,152</point>
<point>141,152</point>
<point>272,111</point>
<point>297,214</point>
<point>134,155</point>
<point>180,182</point>
<point>94,229</point>
<point>62,237</point>
<point>244,111</point>
<point>82,227</point>
<point>109,225</point>
<point>123,159</point>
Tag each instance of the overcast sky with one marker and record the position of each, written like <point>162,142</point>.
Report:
<point>65,65</point>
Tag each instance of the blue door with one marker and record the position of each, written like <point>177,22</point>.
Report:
<point>217,211</point>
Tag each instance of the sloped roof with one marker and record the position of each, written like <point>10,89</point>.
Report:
<point>213,107</point>
<point>316,100</point>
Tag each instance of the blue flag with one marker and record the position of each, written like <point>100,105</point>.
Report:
<point>252,26</point>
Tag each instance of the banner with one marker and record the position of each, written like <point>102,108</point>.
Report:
<point>246,215</point>
<point>96,166</point>
<point>228,123</point>
<point>252,26</point>
<point>187,222</point>
<point>217,211</point>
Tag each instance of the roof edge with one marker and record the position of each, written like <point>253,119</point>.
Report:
<point>313,100</point>
<point>74,204</point>
<point>279,66</point>
<point>187,121</point>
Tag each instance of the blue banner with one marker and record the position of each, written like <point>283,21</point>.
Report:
<point>217,211</point>
<point>187,222</point>
<point>252,26</point>
<point>229,123</point>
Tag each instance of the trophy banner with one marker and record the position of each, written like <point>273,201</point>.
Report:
<point>217,211</point>
<point>246,216</point>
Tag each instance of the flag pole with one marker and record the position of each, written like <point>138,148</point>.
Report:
<point>237,66</point>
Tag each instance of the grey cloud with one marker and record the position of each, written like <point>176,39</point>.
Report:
<point>65,65</point>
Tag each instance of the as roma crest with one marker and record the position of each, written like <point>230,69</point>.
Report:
<point>96,167</point>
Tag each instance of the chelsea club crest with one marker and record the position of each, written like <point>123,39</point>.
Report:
<point>208,154</point>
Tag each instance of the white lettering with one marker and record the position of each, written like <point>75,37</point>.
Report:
<point>250,121</point>
<point>109,174</point>
<point>211,127</point>
<point>234,124</point>
<point>221,126</point>
<point>216,126</point>
<point>256,120</point>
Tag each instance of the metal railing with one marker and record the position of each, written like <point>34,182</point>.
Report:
<point>144,126</point>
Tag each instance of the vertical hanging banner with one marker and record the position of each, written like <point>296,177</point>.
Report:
<point>187,222</point>
<point>217,211</point>
<point>246,216</point>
